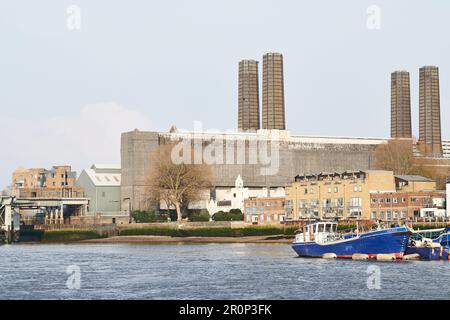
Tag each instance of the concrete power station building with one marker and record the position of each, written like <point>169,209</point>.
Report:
<point>241,154</point>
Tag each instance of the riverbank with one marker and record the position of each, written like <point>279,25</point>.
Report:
<point>168,239</point>
<point>162,234</point>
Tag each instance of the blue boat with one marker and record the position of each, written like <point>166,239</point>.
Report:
<point>322,237</point>
<point>441,235</point>
<point>429,244</point>
<point>425,253</point>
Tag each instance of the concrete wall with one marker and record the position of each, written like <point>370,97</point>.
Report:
<point>135,157</point>
<point>296,155</point>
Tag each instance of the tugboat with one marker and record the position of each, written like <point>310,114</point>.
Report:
<point>319,238</point>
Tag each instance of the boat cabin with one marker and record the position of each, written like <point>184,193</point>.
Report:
<point>319,232</point>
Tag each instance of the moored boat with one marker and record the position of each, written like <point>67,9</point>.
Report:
<point>322,237</point>
<point>429,248</point>
<point>440,235</point>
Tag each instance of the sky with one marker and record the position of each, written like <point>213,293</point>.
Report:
<point>76,74</point>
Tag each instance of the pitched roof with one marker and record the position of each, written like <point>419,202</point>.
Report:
<point>104,179</point>
<point>411,178</point>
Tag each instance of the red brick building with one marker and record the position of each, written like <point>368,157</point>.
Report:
<point>264,210</point>
<point>413,193</point>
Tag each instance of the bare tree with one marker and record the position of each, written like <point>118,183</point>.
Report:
<point>396,155</point>
<point>175,184</point>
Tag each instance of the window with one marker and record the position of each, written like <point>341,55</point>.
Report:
<point>355,188</point>
<point>329,190</point>
<point>374,215</point>
<point>403,200</point>
<point>355,202</point>
<point>394,200</point>
<point>336,189</point>
<point>395,214</point>
<point>388,215</point>
<point>321,227</point>
<point>388,200</point>
<point>103,194</point>
<point>306,191</point>
<point>359,188</point>
<point>382,215</point>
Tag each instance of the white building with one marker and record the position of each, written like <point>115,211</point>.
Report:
<point>226,199</point>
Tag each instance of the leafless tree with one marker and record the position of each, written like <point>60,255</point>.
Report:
<point>398,156</point>
<point>175,184</point>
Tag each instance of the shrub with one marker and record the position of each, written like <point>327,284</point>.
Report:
<point>148,216</point>
<point>69,235</point>
<point>199,215</point>
<point>345,227</point>
<point>233,215</point>
<point>209,232</point>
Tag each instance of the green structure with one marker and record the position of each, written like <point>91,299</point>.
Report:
<point>101,184</point>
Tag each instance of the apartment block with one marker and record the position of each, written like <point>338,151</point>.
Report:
<point>415,197</point>
<point>407,205</point>
<point>429,112</point>
<point>248,104</point>
<point>400,105</point>
<point>38,182</point>
<point>273,115</point>
<point>336,195</point>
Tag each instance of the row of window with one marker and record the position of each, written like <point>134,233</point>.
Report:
<point>267,204</point>
<point>393,200</point>
<point>260,218</point>
<point>331,190</point>
<point>337,202</point>
<point>388,215</point>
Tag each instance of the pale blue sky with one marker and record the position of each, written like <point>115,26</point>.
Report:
<point>66,95</point>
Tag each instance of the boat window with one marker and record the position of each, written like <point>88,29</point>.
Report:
<point>321,227</point>
<point>328,227</point>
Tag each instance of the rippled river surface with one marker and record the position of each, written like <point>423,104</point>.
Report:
<point>207,271</point>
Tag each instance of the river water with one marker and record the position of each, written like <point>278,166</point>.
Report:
<point>207,271</point>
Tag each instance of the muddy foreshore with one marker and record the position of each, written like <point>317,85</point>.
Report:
<point>169,239</point>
